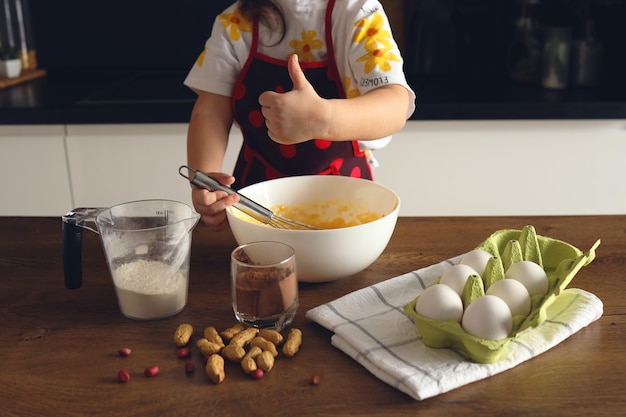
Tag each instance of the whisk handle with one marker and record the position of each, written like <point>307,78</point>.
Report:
<point>246,205</point>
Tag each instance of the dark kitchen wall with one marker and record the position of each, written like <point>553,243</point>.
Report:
<point>475,37</point>
<point>455,36</point>
<point>169,34</point>
<point>122,33</point>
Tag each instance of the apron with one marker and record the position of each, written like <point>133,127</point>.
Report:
<point>260,158</point>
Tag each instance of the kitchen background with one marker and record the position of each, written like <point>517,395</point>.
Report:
<point>438,37</point>
<point>108,121</point>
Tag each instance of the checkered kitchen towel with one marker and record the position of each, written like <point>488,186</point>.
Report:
<point>370,326</point>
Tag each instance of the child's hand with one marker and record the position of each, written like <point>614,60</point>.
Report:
<point>211,205</point>
<point>298,115</point>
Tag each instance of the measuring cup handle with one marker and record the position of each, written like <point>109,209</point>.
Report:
<point>72,255</point>
<point>73,224</point>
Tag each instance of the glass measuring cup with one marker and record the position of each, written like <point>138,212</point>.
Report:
<point>147,245</point>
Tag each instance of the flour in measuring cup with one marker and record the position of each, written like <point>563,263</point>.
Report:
<point>149,290</point>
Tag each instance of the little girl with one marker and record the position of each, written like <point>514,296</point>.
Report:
<point>314,85</point>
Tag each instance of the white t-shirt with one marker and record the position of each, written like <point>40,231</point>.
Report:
<point>366,54</point>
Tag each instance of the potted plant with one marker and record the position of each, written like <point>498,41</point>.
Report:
<point>10,63</point>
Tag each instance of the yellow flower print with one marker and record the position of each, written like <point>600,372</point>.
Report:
<point>237,24</point>
<point>305,47</point>
<point>200,59</point>
<point>371,31</point>
<point>378,57</point>
<point>350,93</point>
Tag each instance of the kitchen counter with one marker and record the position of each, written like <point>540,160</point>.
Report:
<point>158,96</point>
<point>59,347</point>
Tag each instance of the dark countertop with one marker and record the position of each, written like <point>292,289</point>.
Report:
<point>158,96</point>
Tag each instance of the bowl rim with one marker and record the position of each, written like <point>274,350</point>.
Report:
<point>230,211</point>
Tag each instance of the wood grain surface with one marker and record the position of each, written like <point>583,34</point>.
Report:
<point>58,347</point>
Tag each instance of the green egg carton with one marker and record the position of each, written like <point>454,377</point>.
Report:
<point>559,259</point>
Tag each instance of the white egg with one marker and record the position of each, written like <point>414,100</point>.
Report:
<point>531,275</point>
<point>513,293</point>
<point>456,276</point>
<point>488,317</point>
<point>440,302</point>
<point>477,259</point>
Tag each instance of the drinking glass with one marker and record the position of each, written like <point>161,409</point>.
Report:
<point>264,284</point>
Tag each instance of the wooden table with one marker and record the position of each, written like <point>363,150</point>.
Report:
<point>58,347</point>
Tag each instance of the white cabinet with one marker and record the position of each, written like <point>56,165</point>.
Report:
<point>526,167</point>
<point>438,168</point>
<point>111,164</point>
<point>33,171</point>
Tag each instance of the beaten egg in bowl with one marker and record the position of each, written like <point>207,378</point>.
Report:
<point>326,214</point>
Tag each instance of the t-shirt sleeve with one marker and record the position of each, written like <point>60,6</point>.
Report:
<point>218,65</point>
<point>367,55</point>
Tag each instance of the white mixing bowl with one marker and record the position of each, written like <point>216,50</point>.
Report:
<point>328,254</point>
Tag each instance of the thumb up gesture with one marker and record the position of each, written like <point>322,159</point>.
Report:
<point>297,115</point>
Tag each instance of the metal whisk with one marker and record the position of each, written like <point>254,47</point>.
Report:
<point>251,208</point>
